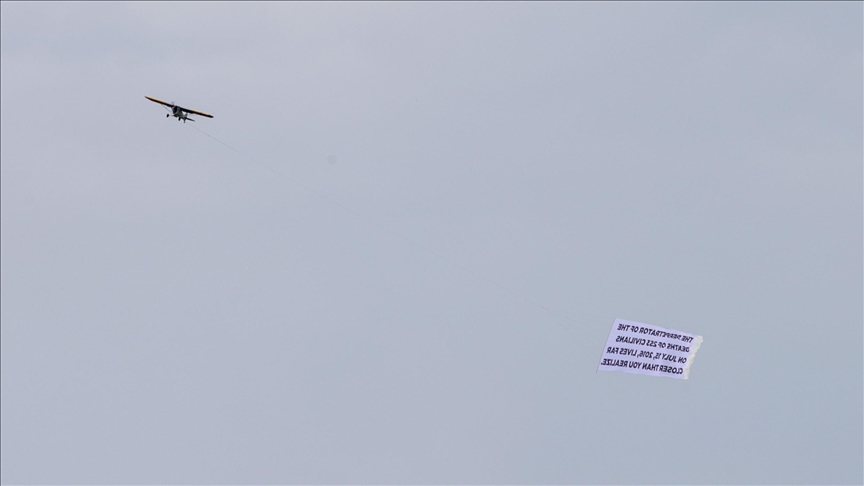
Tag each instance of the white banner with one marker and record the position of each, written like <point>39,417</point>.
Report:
<point>636,347</point>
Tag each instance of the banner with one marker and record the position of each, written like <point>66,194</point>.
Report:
<point>645,349</point>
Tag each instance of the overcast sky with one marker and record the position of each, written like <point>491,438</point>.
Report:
<point>406,269</point>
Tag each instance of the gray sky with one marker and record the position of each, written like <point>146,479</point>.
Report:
<point>173,312</point>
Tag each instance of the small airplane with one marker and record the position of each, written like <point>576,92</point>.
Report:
<point>178,111</point>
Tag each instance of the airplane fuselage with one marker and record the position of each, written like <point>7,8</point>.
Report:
<point>180,114</point>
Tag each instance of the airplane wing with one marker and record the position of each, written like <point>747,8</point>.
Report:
<point>187,110</point>
<point>158,101</point>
